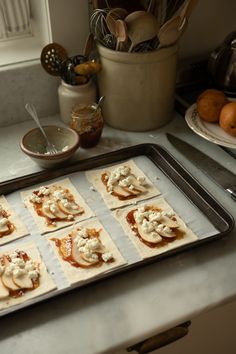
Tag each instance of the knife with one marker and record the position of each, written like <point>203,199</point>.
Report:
<point>223,177</point>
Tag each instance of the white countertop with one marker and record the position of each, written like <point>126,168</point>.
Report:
<point>127,308</point>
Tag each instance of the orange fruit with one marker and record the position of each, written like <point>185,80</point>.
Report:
<point>209,105</point>
<point>228,118</point>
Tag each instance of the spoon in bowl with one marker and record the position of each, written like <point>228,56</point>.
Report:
<point>50,148</point>
<point>100,101</point>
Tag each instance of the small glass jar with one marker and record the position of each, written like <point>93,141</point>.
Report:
<point>70,95</point>
<point>87,120</point>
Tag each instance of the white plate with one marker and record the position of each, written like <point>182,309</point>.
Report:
<point>209,131</point>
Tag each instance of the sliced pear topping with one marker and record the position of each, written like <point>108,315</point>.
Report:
<point>4,225</point>
<point>138,186</point>
<point>152,237</point>
<point>165,231</point>
<point>66,246</point>
<point>56,203</point>
<point>18,272</point>
<point>132,191</point>
<point>120,191</point>
<point>4,292</point>
<point>8,282</point>
<point>56,211</point>
<point>168,221</point>
<point>46,210</point>
<point>92,259</point>
<point>70,208</point>
<point>7,275</point>
<point>23,281</point>
<point>76,255</point>
<point>4,229</point>
<point>82,247</point>
<point>123,183</point>
<point>128,186</point>
<point>153,224</point>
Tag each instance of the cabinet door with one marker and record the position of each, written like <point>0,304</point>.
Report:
<point>210,333</point>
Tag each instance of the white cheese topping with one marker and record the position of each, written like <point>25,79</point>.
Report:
<point>81,242</point>
<point>33,274</point>
<point>51,206</point>
<point>19,262</point>
<point>18,267</point>
<point>89,246</point>
<point>107,256</point>
<point>116,175</point>
<point>82,233</point>
<point>59,194</point>
<point>150,221</point>
<point>141,180</point>
<point>126,182</point>
<point>123,177</point>
<point>35,199</point>
<point>43,191</point>
<point>169,214</point>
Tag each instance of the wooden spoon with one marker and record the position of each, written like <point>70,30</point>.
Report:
<point>186,9</point>
<point>171,30</point>
<point>121,33</point>
<point>142,26</point>
<point>113,15</point>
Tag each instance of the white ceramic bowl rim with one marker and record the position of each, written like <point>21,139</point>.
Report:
<point>50,156</point>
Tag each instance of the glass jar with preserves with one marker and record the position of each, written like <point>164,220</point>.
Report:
<point>70,95</point>
<point>87,120</point>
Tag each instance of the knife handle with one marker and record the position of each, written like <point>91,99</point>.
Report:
<point>232,192</point>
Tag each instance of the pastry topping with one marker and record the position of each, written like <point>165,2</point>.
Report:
<point>107,256</point>
<point>6,227</point>
<point>83,248</point>
<point>55,204</point>
<point>123,184</point>
<point>43,191</point>
<point>153,226</point>
<point>18,274</point>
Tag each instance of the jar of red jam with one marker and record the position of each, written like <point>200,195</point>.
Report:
<point>87,120</point>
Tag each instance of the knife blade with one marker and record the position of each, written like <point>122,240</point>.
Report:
<point>219,174</point>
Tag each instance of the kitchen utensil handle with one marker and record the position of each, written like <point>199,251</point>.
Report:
<point>232,191</point>
<point>161,340</point>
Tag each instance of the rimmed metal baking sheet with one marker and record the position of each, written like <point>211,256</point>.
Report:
<point>161,162</point>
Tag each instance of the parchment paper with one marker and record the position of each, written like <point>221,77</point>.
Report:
<point>186,210</point>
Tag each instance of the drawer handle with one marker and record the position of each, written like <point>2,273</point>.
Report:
<point>160,340</point>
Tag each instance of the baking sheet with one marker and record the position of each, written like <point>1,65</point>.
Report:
<point>157,164</point>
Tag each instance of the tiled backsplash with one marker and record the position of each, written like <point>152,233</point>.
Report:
<point>29,84</point>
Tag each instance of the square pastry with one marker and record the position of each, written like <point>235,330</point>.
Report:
<point>11,226</point>
<point>154,227</point>
<point>23,275</point>
<point>86,251</point>
<point>56,205</point>
<point>122,184</point>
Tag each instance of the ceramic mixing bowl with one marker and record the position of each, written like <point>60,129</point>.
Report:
<point>65,140</point>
